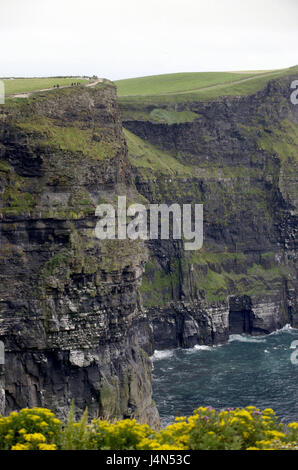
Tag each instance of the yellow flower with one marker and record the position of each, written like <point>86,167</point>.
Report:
<point>244,414</point>
<point>35,437</point>
<point>293,426</point>
<point>34,417</point>
<point>180,418</point>
<point>20,447</point>
<point>202,408</point>
<point>192,420</point>
<point>275,434</point>
<point>234,420</point>
<point>264,442</point>
<point>170,447</point>
<point>47,446</point>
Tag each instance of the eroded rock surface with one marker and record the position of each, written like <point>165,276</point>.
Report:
<point>238,157</point>
<point>68,301</point>
<point>77,314</point>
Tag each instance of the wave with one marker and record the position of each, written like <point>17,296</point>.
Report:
<point>203,347</point>
<point>164,354</point>
<point>243,338</point>
<point>246,339</point>
<point>262,339</point>
<point>285,329</point>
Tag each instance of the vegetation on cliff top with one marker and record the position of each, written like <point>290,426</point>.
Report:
<point>166,176</point>
<point>207,429</point>
<point>15,199</point>
<point>150,160</point>
<point>27,85</point>
<point>175,88</point>
<point>178,82</point>
<point>213,275</point>
<point>69,138</point>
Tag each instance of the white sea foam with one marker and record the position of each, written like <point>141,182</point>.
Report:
<point>202,347</point>
<point>165,354</point>
<point>286,328</point>
<point>246,339</point>
<point>262,339</point>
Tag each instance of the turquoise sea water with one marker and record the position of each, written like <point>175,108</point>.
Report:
<point>246,371</point>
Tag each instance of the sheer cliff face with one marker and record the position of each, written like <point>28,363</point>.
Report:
<point>237,156</point>
<point>74,310</point>
<point>68,301</point>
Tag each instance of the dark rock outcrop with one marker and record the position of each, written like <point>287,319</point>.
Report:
<point>77,313</point>
<point>68,301</point>
<point>239,158</point>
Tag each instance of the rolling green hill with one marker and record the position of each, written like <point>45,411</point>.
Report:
<point>179,87</point>
<point>27,85</point>
<point>176,82</point>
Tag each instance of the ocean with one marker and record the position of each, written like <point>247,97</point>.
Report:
<point>248,370</point>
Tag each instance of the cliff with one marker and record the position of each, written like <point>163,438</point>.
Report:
<point>68,301</point>
<point>238,156</point>
<point>76,313</point>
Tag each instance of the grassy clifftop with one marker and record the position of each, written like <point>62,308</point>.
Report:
<point>184,87</point>
<point>27,85</point>
<point>235,154</point>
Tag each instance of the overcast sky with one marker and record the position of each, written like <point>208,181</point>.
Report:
<point>127,38</point>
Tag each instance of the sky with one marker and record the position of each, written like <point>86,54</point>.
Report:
<point>119,39</point>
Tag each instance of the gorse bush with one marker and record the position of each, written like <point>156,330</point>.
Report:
<point>29,429</point>
<point>123,435</point>
<point>207,429</point>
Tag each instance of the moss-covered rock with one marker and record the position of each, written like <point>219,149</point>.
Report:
<point>69,301</point>
<point>238,158</point>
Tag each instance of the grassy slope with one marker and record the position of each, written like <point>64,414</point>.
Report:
<point>151,160</point>
<point>175,82</point>
<point>173,88</point>
<point>25,85</point>
<point>68,139</point>
<point>217,274</point>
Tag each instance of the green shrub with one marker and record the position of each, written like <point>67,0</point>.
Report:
<point>29,429</point>
<point>75,435</point>
<point>122,435</point>
<point>207,429</point>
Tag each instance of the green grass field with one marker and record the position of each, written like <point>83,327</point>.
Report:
<point>189,86</point>
<point>25,85</point>
<point>176,82</point>
<point>152,160</point>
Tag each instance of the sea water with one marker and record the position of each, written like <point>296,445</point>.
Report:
<point>248,370</point>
